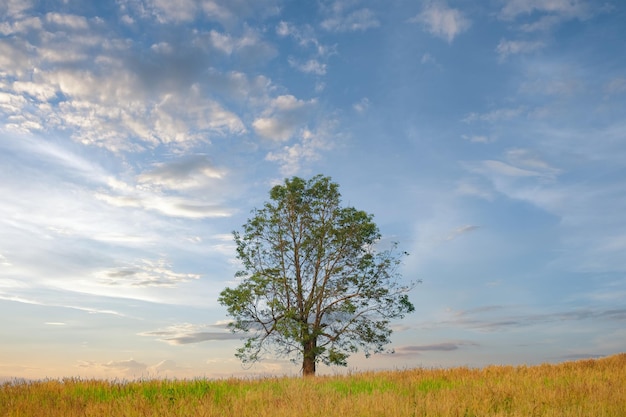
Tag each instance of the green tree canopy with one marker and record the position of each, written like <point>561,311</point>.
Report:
<point>313,284</point>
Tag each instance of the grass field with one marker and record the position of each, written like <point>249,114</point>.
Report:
<point>587,388</point>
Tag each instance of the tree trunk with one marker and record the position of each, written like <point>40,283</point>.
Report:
<point>308,361</point>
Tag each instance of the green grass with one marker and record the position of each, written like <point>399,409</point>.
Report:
<point>594,388</point>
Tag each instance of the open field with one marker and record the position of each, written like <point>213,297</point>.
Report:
<point>590,388</point>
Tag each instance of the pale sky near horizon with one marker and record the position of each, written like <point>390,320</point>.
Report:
<point>488,138</point>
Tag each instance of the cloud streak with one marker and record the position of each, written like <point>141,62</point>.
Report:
<point>416,350</point>
<point>146,273</point>
<point>496,319</point>
<point>184,334</point>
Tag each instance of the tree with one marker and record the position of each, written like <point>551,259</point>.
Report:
<point>313,283</point>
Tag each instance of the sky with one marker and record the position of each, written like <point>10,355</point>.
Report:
<point>487,138</point>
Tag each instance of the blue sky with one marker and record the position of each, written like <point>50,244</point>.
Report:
<point>487,137</point>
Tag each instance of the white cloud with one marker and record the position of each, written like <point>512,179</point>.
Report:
<point>274,128</point>
<point>616,86</point>
<point>542,24</point>
<point>292,157</point>
<point>284,29</point>
<point>21,26</point>
<point>187,333</point>
<point>123,101</point>
<point>470,188</point>
<point>144,273</point>
<point>428,59</point>
<point>221,41</point>
<point>289,103</point>
<point>305,36</point>
<point>174,11</point>
<point>442,21</point>
<point>12,103</point>
<point>362,105</point>
<point>495,115</point>
<point>167,205</point>
<point>530,160</point>
<point>544,15</point>
<point>15,8</point>
<point>227,12</point>
<point>312,66</point>
<point>70,21</point>
<point>561,85</point>
<point>14,60</point>
<point>477,138</point>
<point>519,163</point>
<point>90,310</point>
<point>126,19</point>
<point>189,172</point>
<point>506,47</point>
<point>502,168</point>
<point>358,20</point>
<point>247,45</point>
<point>562,8</point>
<point>523,175</point>
<point>55,216</point>
<point>162,48</point>
<point>165,367</point>
<point>284,115</point>
<point>92,110</point>
<point>41,92</point>
<point>128,367</point>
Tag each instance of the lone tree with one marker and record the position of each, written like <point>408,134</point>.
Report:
<point>313,284</point>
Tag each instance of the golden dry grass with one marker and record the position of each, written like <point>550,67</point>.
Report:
<point>590,388</point>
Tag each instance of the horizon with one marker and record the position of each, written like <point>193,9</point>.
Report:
<point>262,377</point>
<point>487,138</point>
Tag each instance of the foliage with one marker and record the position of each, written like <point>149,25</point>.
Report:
<point>313,283</point>
<point>571,389</point>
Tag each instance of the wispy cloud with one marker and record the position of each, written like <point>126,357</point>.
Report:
<point>70,21</point>
<point>362,105</point>
<point>499,318</point>
<point>248,45</point>
<point>478,138</point>
<point>562,9</point>
<point>508,47</point>
<point>124,195</point>
<point>306,37</point>
<point>33,301</point>
<point>442,21</point>
<point>497,115</point>
<point>145,273</point>
<point>475,189</point>
<point>312,66</point>
<point>227,13</point>
<point>342,20</point>
<point>616,86</point>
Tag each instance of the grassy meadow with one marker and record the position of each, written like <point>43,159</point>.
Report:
<point>589,388</point>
